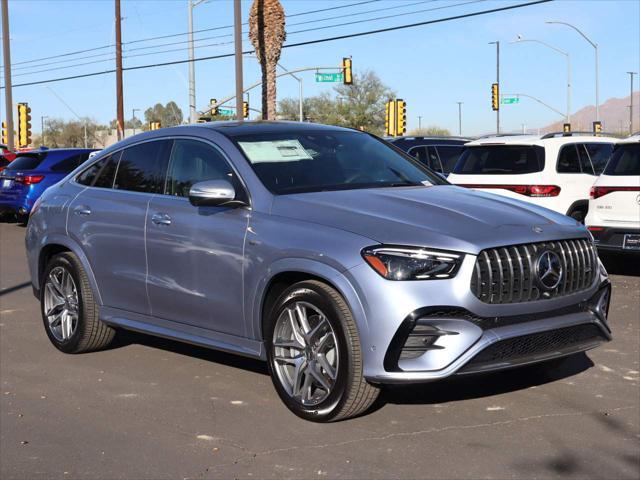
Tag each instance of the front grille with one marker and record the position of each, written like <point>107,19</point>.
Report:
<point>508,274</point>
<point>527,347</point>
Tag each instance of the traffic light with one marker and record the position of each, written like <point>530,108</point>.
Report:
<point>5,134</point>
<point>597,127</point>
<point>347,71</point>
<point>566,128</point>
<point>401,117</point>
<point>495,97</point>
<point>390,119</point>
<point>245,109</point>
<point>213,103</point>
<point>24,125</point>
<point>155,125</point>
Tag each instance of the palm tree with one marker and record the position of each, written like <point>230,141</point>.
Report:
<point>267,34</point>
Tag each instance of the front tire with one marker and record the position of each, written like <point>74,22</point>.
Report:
<point>314,354</point>
<point>69,311</point>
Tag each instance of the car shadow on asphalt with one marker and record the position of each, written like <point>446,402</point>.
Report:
<point>621,264</point>
<point>466,387</point>
<point>125,338</point>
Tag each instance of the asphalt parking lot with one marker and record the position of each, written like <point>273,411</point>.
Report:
<point>151,408</point>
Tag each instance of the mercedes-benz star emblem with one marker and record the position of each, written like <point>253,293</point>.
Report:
<point>549,270</point>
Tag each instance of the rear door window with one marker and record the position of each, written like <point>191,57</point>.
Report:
<point>594,157</point>
<point>68,164</point>
<point>500,160</point>
<point>449,156</point>
<point>427,156</point>
<point>143,167</point>
<point>26,161</point>
<point>625,160</point>
<point>569,159</point>
<point>104,177</point>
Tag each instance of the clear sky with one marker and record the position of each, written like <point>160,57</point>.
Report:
<point>432,67</point>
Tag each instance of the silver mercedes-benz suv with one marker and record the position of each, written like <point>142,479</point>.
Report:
<point>334,256</point>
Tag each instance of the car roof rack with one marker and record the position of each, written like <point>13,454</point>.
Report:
<point>575,134</point>
<point>494,135</point>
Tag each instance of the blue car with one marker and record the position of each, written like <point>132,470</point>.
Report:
<point>31,173</point>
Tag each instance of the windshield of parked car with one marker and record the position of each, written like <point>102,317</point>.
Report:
<point>26,161</point>
<point>329,160</point>
<point>625,160</point>
<point>500,160</point>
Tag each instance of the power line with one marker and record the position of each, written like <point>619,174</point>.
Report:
<point>76,52</point>
<point>299,44</point>
<point>27,67</point>
<point>228,35</point>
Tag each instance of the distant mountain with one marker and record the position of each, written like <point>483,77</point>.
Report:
<point>614,114</point>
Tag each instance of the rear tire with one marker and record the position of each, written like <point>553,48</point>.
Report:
<point>318,374</point>
<point>69,310</point>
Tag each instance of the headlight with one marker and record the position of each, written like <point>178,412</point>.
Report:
<point>412,263</point>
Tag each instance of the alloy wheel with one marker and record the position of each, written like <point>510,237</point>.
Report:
<point>61,303</point>
<point>305,353</point>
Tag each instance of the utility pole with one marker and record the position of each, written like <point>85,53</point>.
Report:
<point>42,119</point>
<point>631,74</point>
<point>497,44</point>
<point>133,118</point>
<point>459,118</point>
<point>237,38</point>
<point>119,94</point>
<point>419,122</point>
<point>6,52</point>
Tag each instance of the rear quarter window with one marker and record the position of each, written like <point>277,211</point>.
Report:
<point>500,160</point>
<point>70,163</point>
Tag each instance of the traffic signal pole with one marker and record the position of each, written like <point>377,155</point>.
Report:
<point>6,51</point>
<point>497,43</point>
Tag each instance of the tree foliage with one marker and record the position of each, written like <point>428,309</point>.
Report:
<point>168,115</point>
<point>61,133</point>
<point>432,130</point>
<point>361,105</point>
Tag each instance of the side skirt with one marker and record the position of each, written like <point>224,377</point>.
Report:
<point>182,332</point>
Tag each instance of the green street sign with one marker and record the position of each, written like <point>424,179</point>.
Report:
<point>328,77</point>
<point>509,100</point>
<point>227,112</point>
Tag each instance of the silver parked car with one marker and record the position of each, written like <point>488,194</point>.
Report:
<point>338,259</point>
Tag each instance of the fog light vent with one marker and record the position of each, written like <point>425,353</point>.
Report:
<point>421,339</point>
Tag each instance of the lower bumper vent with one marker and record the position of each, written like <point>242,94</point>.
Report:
<point>517,350</point>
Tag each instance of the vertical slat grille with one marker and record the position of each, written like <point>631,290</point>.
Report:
<point>508,274</point>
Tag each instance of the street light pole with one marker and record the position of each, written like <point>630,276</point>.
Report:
<point>419,122</point>
<point>567,56</point>
<point>237,38</point>
<point>192,69</point>
<point>497,43</point>
<point>42,119</point>
<point>459,118</point>
<point>631,74</point>
<point>595,46</point>
<point>6,52</point>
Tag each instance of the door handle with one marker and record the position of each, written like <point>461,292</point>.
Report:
<point>161,219</point>
<point>82,210</point>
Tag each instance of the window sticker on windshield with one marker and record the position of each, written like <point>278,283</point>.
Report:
<point>275,151</point>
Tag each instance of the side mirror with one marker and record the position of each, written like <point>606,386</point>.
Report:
<point>211,193</point>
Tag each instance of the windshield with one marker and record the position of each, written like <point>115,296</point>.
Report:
<point>26,161</point>
<point>326,160</point>
<point>500,160</point>
<point>624,161</point>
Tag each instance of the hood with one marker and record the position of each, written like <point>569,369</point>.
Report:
<point>442,216</point>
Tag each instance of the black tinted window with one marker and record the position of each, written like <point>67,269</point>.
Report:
<point>427,156</point>
<point>26,162</point>
<point>625,160</point>
<point>143,167</point>
<point>449,156</point>
<point>68,164</point>
<point>193,162</point>
<point>89,175</point>
<point>501,160</point>
<point>568,159</point>
<point>104,177</point>
<point>594,157</point>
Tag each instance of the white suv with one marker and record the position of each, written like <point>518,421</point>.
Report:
<point>554,170</point>
<point>614,208</point>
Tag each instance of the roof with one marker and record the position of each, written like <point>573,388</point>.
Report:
<point>635,138</point>
<point>234,128</point>
<point>541,140</point>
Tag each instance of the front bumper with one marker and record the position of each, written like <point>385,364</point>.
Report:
<point>432,344</point>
